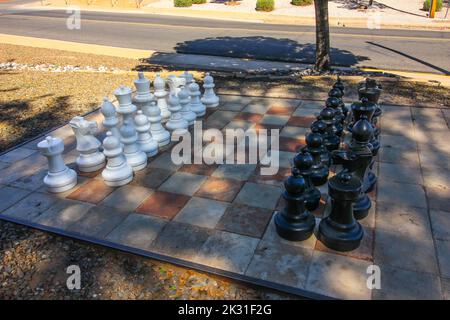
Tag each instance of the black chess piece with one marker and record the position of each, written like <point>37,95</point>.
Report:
<point>303,161</point>
<point>370,89</point>
<point>360,146</point>
<point>340,231</point>
<point>339,85</point>
<point>295,222</point>
<point>320,155</point>
<point>330,140</point>
<point>367,109</point>
<point>319,127</point>
<point>337,93</point>
<point>333,103</point>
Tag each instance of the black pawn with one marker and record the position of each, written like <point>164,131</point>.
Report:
<point>339,85</point>
<point>333,103</point>
<point>303,161</point>
<point>360,146</point>
<point>340,231</point>
<point>294,222</point>
<point>320,155</point>
<point>330,139</point>
<point>337,93</point>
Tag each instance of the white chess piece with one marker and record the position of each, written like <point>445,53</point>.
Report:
<point>135,157</point>
<point>90,159</point>
<point>143,95</point>
<point>189,78</point>
<point>117,171</point>
<point>161,96</point>
<point>145,140</point>
<point>59,177</point>
<point>177,82</point>
<point>176,122</point>
<point>159,134</point>
<point>196,105</point>
<point>185,102</point>
<point>209,99</point>
<point>126,107</point>
<point>111,121</point>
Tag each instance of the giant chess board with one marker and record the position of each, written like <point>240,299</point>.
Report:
<point>216,218</point>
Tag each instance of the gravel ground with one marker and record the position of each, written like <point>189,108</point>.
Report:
<point>33,263</point>
<point>33,266</point>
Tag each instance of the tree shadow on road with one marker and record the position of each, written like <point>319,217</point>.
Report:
<point>265,48</point>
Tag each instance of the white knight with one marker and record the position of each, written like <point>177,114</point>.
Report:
<point>90,158</point>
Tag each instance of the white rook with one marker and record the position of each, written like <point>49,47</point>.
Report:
<point>59,177</point>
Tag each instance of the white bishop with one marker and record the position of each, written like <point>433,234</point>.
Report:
<point>111,120</point>
<point>161,96</point>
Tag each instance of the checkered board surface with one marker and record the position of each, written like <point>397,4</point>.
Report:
<point>217,218</point>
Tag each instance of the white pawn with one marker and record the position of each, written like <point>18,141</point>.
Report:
<point>59,177</point>
<point>145,140</point>
<point>117,171</point>
<point>90,159</point>
<point>196,105</point>
<point>111,120</point>
<point>135,157</point>
<point>176,121</point>
<point>159,134</point>
<point>161,96</point>
<point>209,99</point>
<point>143,95</point>
<point>185,102</point>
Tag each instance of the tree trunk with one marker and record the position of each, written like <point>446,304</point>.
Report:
<point>322,35</point>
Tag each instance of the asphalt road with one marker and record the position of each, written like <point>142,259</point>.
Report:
<point>407,50</point>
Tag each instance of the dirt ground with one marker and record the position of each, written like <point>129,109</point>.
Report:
<point>39,92</point>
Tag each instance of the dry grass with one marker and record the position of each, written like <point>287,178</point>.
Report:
<point>36,56</point>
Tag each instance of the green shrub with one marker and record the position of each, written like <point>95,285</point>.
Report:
<point>427,5</point>
<point>198,1</point>
<point>182,3</point>
<point>265,5</point>
<point>301,2</point>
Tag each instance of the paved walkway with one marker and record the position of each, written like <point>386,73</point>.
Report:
<point>219,218</point>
